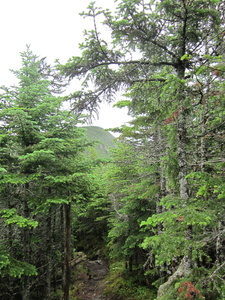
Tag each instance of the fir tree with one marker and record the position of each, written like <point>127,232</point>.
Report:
<point>168,56</point>
<point>43,171</point>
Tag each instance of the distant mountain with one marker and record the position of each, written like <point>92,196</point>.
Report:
<point>105,141</point>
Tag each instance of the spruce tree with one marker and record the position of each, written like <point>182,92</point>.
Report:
<point>168,57</point>
<point>43,170</point>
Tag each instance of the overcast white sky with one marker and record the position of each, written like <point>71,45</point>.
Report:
<point>54,29</point>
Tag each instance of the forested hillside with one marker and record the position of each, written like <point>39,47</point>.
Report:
<point>154,212</point>
<point>103,141</point>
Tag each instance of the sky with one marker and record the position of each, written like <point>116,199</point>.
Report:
<point>54,30</point>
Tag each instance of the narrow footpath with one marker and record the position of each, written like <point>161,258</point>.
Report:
<point>91,284</point>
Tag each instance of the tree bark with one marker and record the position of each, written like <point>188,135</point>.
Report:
<point>26,243</point>
<point>183,270</point>
<point>67,250</point>
<point>49,254</point>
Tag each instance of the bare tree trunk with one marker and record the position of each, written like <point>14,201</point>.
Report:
<point>26,244</point>
<point>182,156</point>
<point>49,241</point>
<point>163,190</point>
<point>67,250</point>
<point>219,246</point>
<point>55,228</point>
<point>162,151</point>
<point>159,148</point>
<point>184,268</point>
<point>203,149</point>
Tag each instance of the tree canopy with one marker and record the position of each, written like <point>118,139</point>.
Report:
<point>168,58</point>
<point>154,209</point>
<point>43,171</point>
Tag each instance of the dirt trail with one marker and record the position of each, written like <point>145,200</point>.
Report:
<point>91,284</point>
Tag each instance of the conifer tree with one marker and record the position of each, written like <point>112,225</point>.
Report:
<point>43,171</point>
<point>168,56</point>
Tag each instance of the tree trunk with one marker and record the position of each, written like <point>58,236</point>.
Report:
<point>67,250</point>
<point>182,156</point>
<point>26,244</point>
<point>55,228</point>
<point>183,270</point>
<point>49,254</point>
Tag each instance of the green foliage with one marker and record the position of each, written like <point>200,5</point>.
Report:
<point>161,196</point>
<point>44,172</point>
<point>121,286</point>
<point>12,267</point>
<point>123,103</point>
<point>166,180</point>
<point>11,217</point>
<point>91,214</point>
<point>172,242</point>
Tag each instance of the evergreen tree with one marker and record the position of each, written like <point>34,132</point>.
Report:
<point>168,56</point>
<point>43,171</point>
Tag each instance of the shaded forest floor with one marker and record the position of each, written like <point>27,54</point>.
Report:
<point>89,280</point>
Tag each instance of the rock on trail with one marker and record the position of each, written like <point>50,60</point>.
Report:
<point>91,284</point>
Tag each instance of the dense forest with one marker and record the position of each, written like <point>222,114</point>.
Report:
<point>153,209</point>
